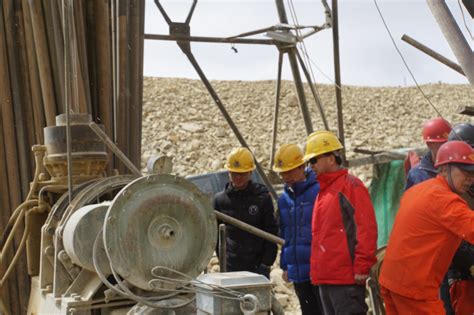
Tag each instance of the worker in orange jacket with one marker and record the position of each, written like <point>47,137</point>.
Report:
<point>432,221</point>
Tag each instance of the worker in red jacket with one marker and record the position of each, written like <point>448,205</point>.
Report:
<point>432,221</point>
<point>344,230</point>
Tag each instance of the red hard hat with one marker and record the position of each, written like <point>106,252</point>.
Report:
<point>458,152</point>
<point>436,130</point>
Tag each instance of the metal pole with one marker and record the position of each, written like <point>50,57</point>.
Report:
<point>276,109</point>
<point>114,148</point>
<point>68,86</point>
<point>222,248</point>
<point>300,90</point>
<point>337,76</point>
<point>313,91</point>
<point>249,228</point>
<point>296,72</point>
<point>204,39</point>
<point>454,37</point>
<point>187,51</point>
<point>430,52</point>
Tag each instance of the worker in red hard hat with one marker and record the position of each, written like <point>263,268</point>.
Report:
<point>432,221</point>
<point>435,133</point>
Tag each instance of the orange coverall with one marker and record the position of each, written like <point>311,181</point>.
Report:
<point>429,226</point>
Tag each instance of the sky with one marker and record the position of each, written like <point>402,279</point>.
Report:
<point>368,57</point>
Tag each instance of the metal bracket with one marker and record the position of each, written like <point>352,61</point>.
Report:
<point>179,29</point>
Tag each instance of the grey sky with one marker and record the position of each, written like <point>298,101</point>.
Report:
<point>367,54</point>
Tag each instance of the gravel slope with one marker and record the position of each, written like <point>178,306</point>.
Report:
<point>181,120</point>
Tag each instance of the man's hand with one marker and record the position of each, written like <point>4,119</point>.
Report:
<point>360,279</point>
<point>285,275</point>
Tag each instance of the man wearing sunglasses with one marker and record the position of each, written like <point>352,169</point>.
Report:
<point>344,230</point>
<point>251,203</point>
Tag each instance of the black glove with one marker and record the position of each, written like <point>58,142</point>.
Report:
<point>264,270</point>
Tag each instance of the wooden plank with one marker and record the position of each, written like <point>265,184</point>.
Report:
<point>5,298</point>
<point>35,85</point>
<point>56,62</point>
<point>466,110</point>
<point>136,31</point>
<point>122,122</point>
<point>81,58</point>
<point>20,93</point>
<point>57,58</point>
<point>103,68</point>
<point>6,106</point>
<point>384,157</point>
<point>44,64</point>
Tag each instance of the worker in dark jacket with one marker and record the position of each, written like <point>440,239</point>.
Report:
<point>296,208</point>
<point>344,230</point>
<point>461,271</point>
<point>435,133</point>
<point>251,203</point>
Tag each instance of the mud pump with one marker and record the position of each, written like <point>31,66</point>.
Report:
<point>125,244</point>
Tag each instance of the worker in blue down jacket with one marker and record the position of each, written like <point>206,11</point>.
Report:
<point>296,209</point>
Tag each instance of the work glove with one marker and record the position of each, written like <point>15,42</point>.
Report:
<point>264,270</point>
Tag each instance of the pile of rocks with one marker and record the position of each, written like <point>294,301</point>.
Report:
<point>181,120</point>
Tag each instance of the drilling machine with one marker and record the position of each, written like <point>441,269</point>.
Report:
<point>125,244</point>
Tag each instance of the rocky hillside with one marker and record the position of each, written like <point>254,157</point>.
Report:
<point>182,121</point>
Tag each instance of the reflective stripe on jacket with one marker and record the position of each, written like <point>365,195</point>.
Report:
<point>344,230</point>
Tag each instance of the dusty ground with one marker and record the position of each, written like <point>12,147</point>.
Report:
<point>182,121</point>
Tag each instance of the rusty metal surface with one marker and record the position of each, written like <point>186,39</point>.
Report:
<point>159,220</point>
<point>84,141</point>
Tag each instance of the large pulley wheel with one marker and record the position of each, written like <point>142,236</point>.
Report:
<point>157,224</point>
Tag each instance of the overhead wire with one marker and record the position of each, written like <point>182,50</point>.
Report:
<point>404,61</point>
<point>464,19</point>
<point>301,43</point>
<point>306,65</point>
<point>305,53</point>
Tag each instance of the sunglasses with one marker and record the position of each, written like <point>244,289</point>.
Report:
<point>315,159</point>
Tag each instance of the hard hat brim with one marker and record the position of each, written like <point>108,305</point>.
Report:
<point>239,170</point>
<point>286,169</point>
<point>465,167</point>
<point>308,157</point>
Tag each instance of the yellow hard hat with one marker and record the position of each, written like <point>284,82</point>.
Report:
<point>319,132</point>
<point>321,142</point>
<point>289,156</point>
<point>240,160</point>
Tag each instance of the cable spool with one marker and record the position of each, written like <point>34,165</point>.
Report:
<point>80,232</point>
<point>159,220</point>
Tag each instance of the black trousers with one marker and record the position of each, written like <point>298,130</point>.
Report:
<point>309,299</point>
<point>343,299</point>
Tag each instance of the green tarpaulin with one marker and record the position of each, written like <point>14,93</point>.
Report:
<point>386,190</point>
